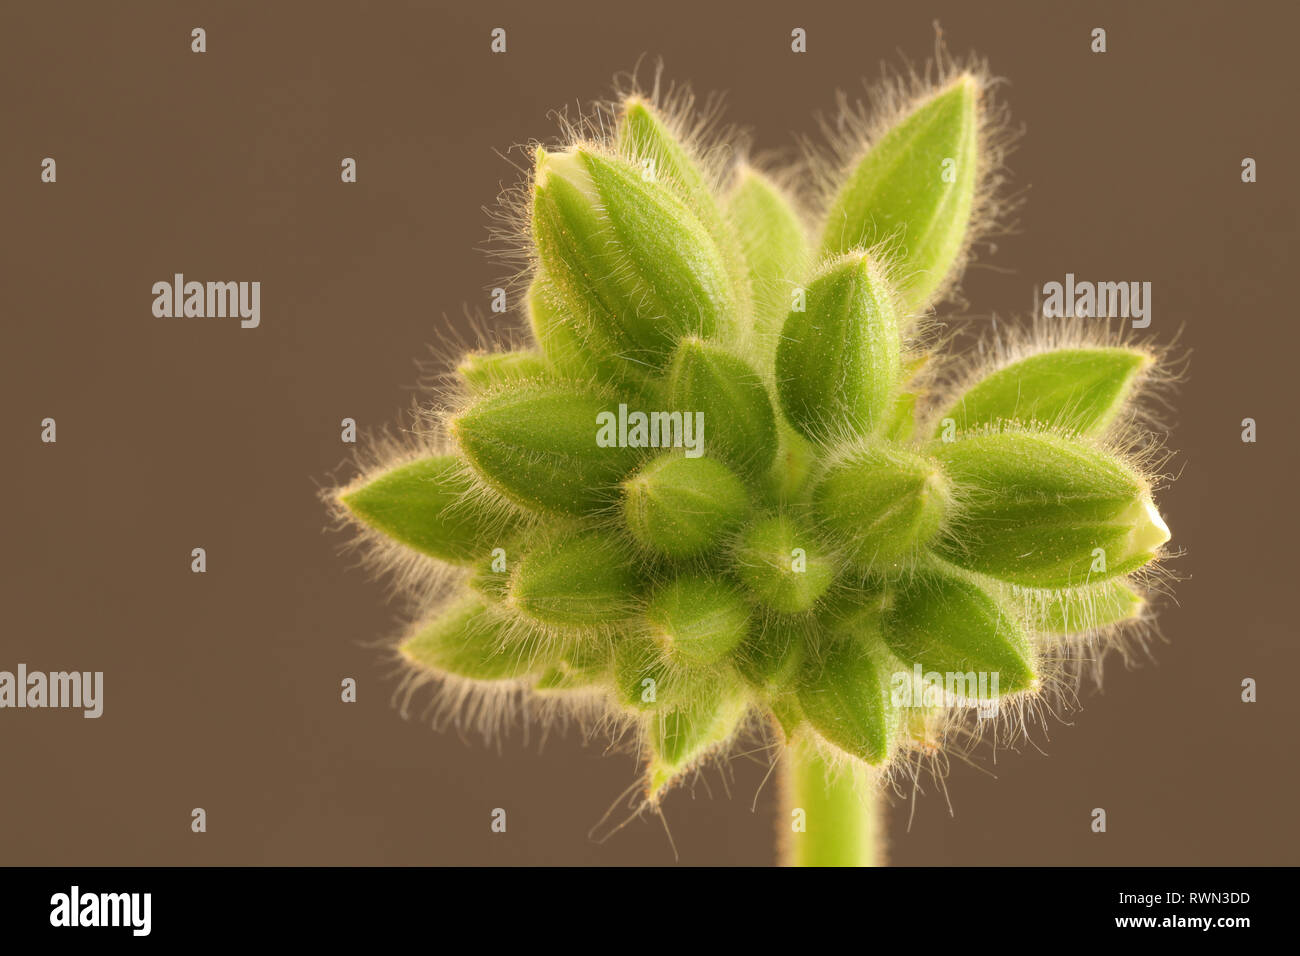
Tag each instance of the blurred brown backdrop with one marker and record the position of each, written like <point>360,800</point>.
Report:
<point>222,690</point>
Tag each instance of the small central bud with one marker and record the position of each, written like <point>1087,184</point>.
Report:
<point>883,504</point>
<point>678,506</point>
<point>782,563</point>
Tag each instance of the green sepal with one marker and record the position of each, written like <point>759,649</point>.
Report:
<point>647,677</point>
<point>679,738</point>
<point>433,506</point>
<point>783,564</point>
<point>579,580</point>
<point>773,652</point>
<point>844,692</point>
<point>700,618</point>
<point>774,243</point>
<point>1077,610</point>
<point>644,135</point>
<point>628,260</point>
<point>705,378</point>
<point>467,639</point>
<point>837,364</point>
<point>484,371</point>
<point>560,338</point>
<point>585,665</point>
<point>950,625</point>
<point>795,462</point>
<point>1047,512</point>
<point>915,190</point>
<point>537,445</point>
<point>882,504</point>
<point>902,420</point>
<point>678,506</point>
<point>1077,391</point>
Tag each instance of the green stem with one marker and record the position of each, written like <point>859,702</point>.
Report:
<point>840,823</point>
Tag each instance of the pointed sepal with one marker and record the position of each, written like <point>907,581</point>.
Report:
<point>914,190</point>
<point>434,506</point>
<point>1074,391</point>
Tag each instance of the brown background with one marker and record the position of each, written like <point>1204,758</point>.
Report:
<point>222,690</point>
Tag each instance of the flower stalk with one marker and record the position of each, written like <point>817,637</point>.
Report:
<point>831,814</point>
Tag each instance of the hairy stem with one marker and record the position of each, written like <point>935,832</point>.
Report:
<point>840,822</point>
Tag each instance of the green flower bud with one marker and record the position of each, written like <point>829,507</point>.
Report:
<point>647,677</point>
<point>555,333</point>
<point>680,738</point>
<point>884,504</point>
<point>1077,390</point>
<point>781,563</point>
<point>678,506</point>
<point>819,549</point>
<point>701,619</point>
<point>1046,512</point>
<point>845,695</point>
<point>645,138</point>
<point>851,614</point>
<point>586,665</point>
<point>578,580</point>
<point>433,506</point>
<point>915,187</point>
<point>705,378</point>
<point>773,651</point>
<point>629,261</point>
<point>466,639</point>
<point>950,625</point>
<point>1076,610</point>
<point>560,338</point>
<point>483,371</point>
<point>775,245</point>
<point>536,444</point>
<point>837,365</point>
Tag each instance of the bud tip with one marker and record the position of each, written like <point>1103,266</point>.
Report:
<point>966,81</point>
<point>1149,529</point>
